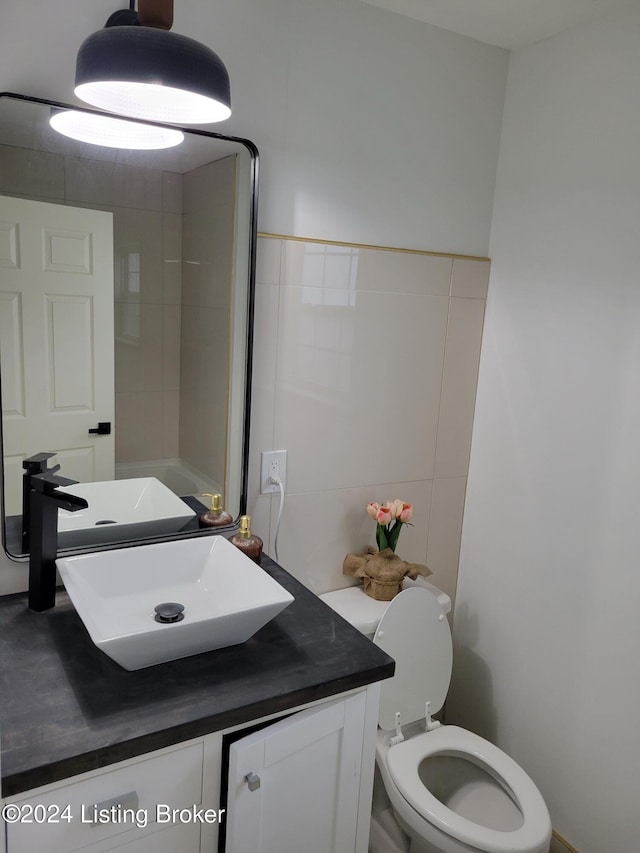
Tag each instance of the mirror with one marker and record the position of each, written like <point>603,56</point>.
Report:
<point>126,303</point>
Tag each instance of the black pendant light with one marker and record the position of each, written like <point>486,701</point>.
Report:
<point>135,67</point>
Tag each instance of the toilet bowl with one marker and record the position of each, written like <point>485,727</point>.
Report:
<point>451,791</point>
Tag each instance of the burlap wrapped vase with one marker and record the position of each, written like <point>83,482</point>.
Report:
<point>382,572</point>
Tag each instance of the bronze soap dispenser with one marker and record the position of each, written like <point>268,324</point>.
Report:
<point>245,540</point>
<point>216,516</point>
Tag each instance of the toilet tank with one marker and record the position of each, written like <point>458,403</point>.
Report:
<point>364,612</point>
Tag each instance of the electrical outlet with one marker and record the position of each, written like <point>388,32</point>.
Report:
<point>274,464</point>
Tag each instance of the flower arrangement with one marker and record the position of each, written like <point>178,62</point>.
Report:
<point>389,518</point>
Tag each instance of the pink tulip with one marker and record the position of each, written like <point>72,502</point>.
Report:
<point>372,509</point>
<point>384,516</point>
<point>403,511</point>
<point>395,507</point>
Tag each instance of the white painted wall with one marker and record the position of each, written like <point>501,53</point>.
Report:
<point>547,628</point>
<point>372,127</point>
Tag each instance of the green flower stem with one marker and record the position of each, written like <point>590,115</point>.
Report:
<point>381,537</point>
<point>393,535</point>
<point>387,535</point>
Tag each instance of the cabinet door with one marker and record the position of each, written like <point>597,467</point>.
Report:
<point>294,786</point>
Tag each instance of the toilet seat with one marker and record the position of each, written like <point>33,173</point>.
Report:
<point>404,759</point>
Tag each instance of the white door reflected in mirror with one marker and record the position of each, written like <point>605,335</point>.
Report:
<point>56,338</point>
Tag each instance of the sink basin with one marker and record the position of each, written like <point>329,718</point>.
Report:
<point>121,509</point>
<point>226,598</point>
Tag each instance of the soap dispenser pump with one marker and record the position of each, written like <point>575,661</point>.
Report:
<point>216,515</point>
<point>245,540</point>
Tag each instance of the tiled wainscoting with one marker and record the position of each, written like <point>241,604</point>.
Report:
<point>365,371</point>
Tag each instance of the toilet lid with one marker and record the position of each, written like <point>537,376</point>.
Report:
<point>415,632</point>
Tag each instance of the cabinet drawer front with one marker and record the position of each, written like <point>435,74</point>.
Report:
<point>108,803</point>
<point>182,837</point>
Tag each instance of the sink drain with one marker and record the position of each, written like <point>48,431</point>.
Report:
<point>169,611</point>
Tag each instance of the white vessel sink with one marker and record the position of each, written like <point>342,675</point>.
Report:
<point>226,598</point>
<point>121,509</point>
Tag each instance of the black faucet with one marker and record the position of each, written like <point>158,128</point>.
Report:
<point>43,535</point>
<point>36,464</point>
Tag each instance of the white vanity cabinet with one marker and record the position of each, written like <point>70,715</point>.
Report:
<point>111,808</point>
<point>314,772</point>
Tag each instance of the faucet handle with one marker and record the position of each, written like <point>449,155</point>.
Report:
<point>37,464</point>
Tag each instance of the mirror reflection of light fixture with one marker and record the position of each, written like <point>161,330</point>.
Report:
<point>135,67</point>
<point>113,132</point>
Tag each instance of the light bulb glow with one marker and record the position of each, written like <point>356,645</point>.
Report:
<point>113,132</point>
<point>152,102</point>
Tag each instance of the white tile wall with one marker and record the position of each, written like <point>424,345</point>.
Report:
<point>40,175</point>
<point>460,379</point>
<point>470,278</point>
<point>207,269</point>
<point>365,372</point>
<point>114,184</point>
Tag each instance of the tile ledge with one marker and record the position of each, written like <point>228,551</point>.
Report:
<point>267,235</point>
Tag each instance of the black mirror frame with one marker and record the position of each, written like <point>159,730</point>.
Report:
<point>251,273</point>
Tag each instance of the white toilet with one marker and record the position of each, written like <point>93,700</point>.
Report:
<point>451,791</point>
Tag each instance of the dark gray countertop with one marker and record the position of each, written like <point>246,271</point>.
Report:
<point>66,708</point>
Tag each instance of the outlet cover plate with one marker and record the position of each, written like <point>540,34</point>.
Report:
<point>277,458</point>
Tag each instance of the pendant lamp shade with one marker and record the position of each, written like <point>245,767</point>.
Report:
<point>152,74</point>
